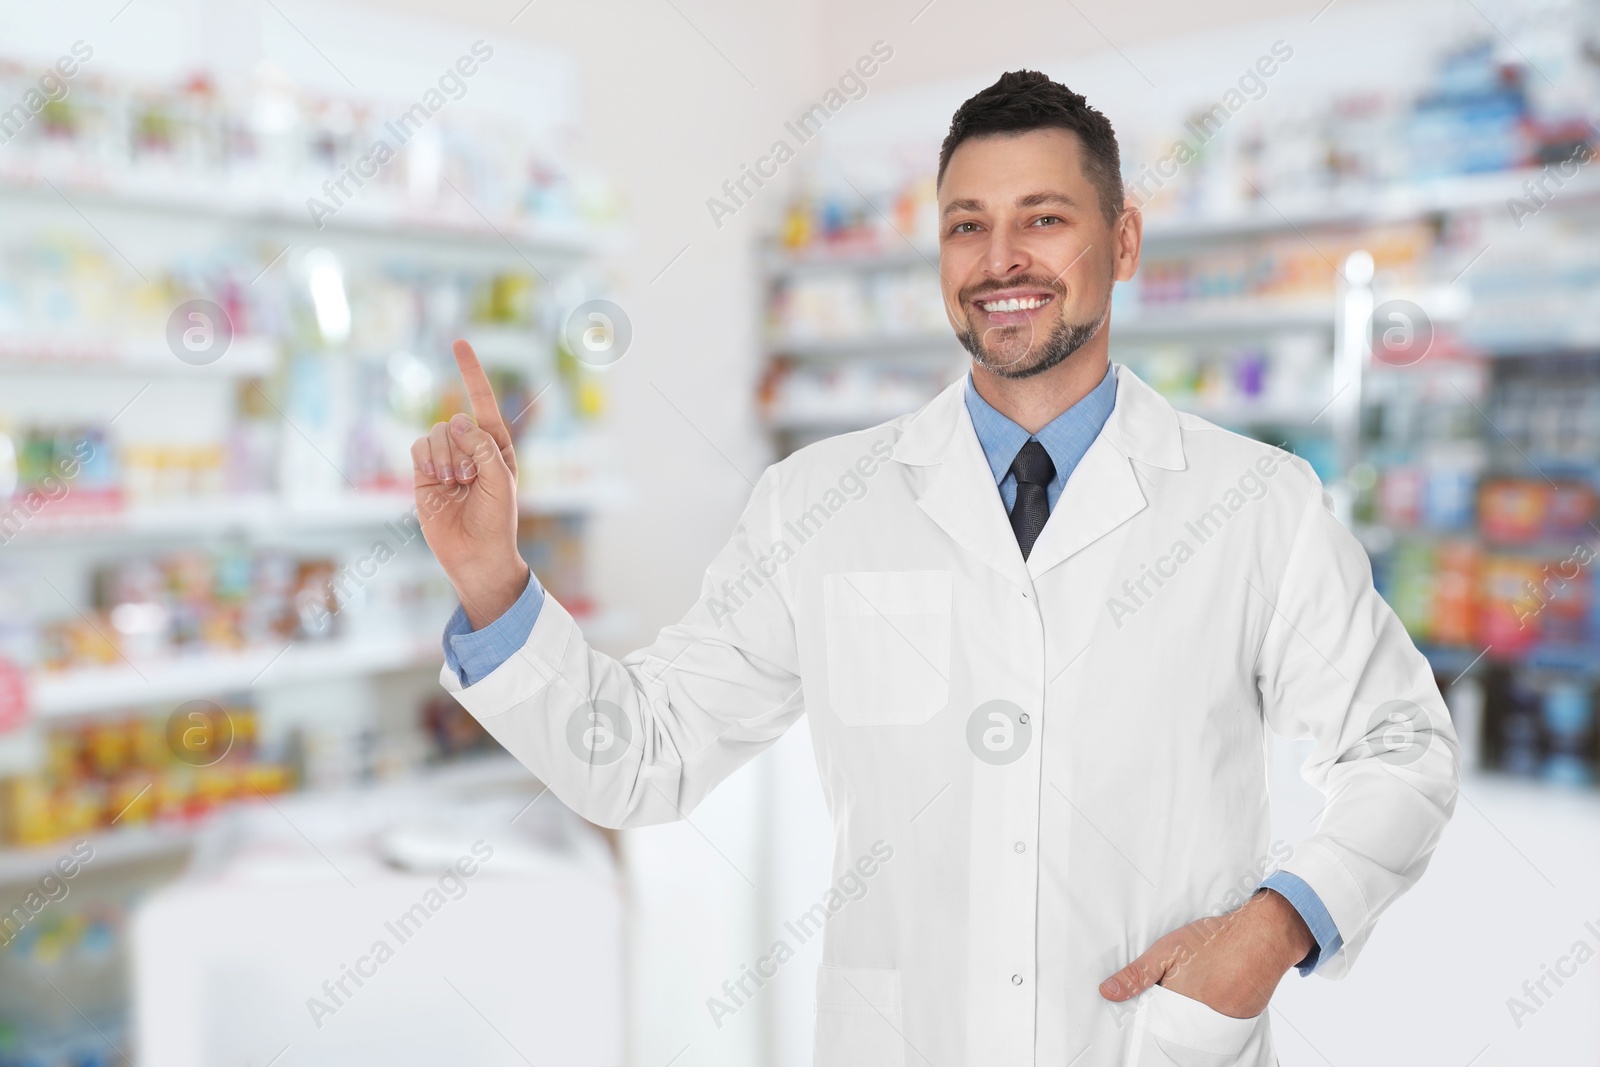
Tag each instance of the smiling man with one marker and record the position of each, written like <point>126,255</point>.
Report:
<point>1041,653</point>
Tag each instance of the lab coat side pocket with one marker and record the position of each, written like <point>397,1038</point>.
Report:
<point>888,645</point>
<point>858,1020</point>
<point>1182,1032</point>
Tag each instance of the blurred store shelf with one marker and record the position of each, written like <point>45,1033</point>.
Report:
<point>274,514</point>
<point>1348,207</point>
<point>266,512</point>
<point>176,678</point>
<point>273,207</point>
<point>1251,412</point>
<point>837,420</point>
<point>1358,206</point>
<point>1155,321</point>
<point>34,354</point>
<point>84,690</point>
<point>931,346</point>
<point>134,844</point>
<point>1454,661</point>
<point>163,840</point>
<point>781,263</point>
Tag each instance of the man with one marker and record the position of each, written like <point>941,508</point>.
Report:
<point>1041,627</point>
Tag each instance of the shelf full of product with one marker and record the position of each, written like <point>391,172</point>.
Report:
<point>298,429</point>
<point>180,523</point>
<point>216,347</point>
<point>263,151</point>
<point>1480,504</point>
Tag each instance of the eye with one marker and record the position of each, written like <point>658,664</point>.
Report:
<point>959,227</point>
<point>1047,220</point>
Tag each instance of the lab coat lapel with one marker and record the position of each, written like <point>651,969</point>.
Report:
<point>959,492</point>
<point>1101,495</point>
<point>1103,491</point>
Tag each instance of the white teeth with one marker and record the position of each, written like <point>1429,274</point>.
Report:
<point>1015,304</point>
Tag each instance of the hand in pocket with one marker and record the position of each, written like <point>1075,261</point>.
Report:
<point>1230,963</point>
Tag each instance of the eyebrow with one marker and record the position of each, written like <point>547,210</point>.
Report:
<point>1030,200</point>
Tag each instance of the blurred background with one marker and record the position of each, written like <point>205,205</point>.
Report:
<point>243,824</point>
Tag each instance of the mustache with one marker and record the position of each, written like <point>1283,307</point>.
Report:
<point>975,292</point>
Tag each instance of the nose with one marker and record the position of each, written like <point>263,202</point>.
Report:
<point>1005,255</point>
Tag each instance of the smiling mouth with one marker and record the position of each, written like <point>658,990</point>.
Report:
<point>1015,303</point>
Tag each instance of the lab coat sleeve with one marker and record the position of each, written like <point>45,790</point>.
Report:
<point>644,739</point>
<point>1337,667</point>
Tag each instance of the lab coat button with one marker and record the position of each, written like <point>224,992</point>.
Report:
<point>1016,979</point>
<point>1023,718</point>
<point>1021,847</point>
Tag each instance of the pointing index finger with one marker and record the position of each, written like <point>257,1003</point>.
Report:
<point>480,394</point>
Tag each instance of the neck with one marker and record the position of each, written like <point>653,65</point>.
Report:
<point>1033,403</point>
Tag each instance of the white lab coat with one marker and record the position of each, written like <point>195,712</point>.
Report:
<point>1034,768</point>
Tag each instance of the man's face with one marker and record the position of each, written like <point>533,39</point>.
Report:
<point>1026,259</point>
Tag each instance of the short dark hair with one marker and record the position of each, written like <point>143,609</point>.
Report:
<point>1026,100</point>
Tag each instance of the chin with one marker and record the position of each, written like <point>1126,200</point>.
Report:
<point>1014,370</point>
<point>1050,349</point>
<point>1016,358</point>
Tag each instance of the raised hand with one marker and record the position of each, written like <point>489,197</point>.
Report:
<point>464,473</point>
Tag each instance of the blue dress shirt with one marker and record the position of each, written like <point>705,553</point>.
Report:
<point>474,654</point>
<point>1067,436</point>
<point>1293,888</point>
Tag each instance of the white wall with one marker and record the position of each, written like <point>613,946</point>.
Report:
<point>669,118</point>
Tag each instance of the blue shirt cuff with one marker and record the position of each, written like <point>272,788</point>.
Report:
<point>1294,889</point>
<point>475,654</point>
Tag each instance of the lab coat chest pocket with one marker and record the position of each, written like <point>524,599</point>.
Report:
<point>858,1018</point>
<point>888,645</point>
<point>1182,1032</point>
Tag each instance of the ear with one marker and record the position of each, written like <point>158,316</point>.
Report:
<point>1128,239</point>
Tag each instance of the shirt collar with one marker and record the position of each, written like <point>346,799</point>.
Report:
<point>1066,437</point>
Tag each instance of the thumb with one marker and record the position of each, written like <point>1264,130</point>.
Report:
<point>1133,979</point>
<point>488,466</point>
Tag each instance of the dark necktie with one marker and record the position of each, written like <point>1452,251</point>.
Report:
<point>1033,470</point>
